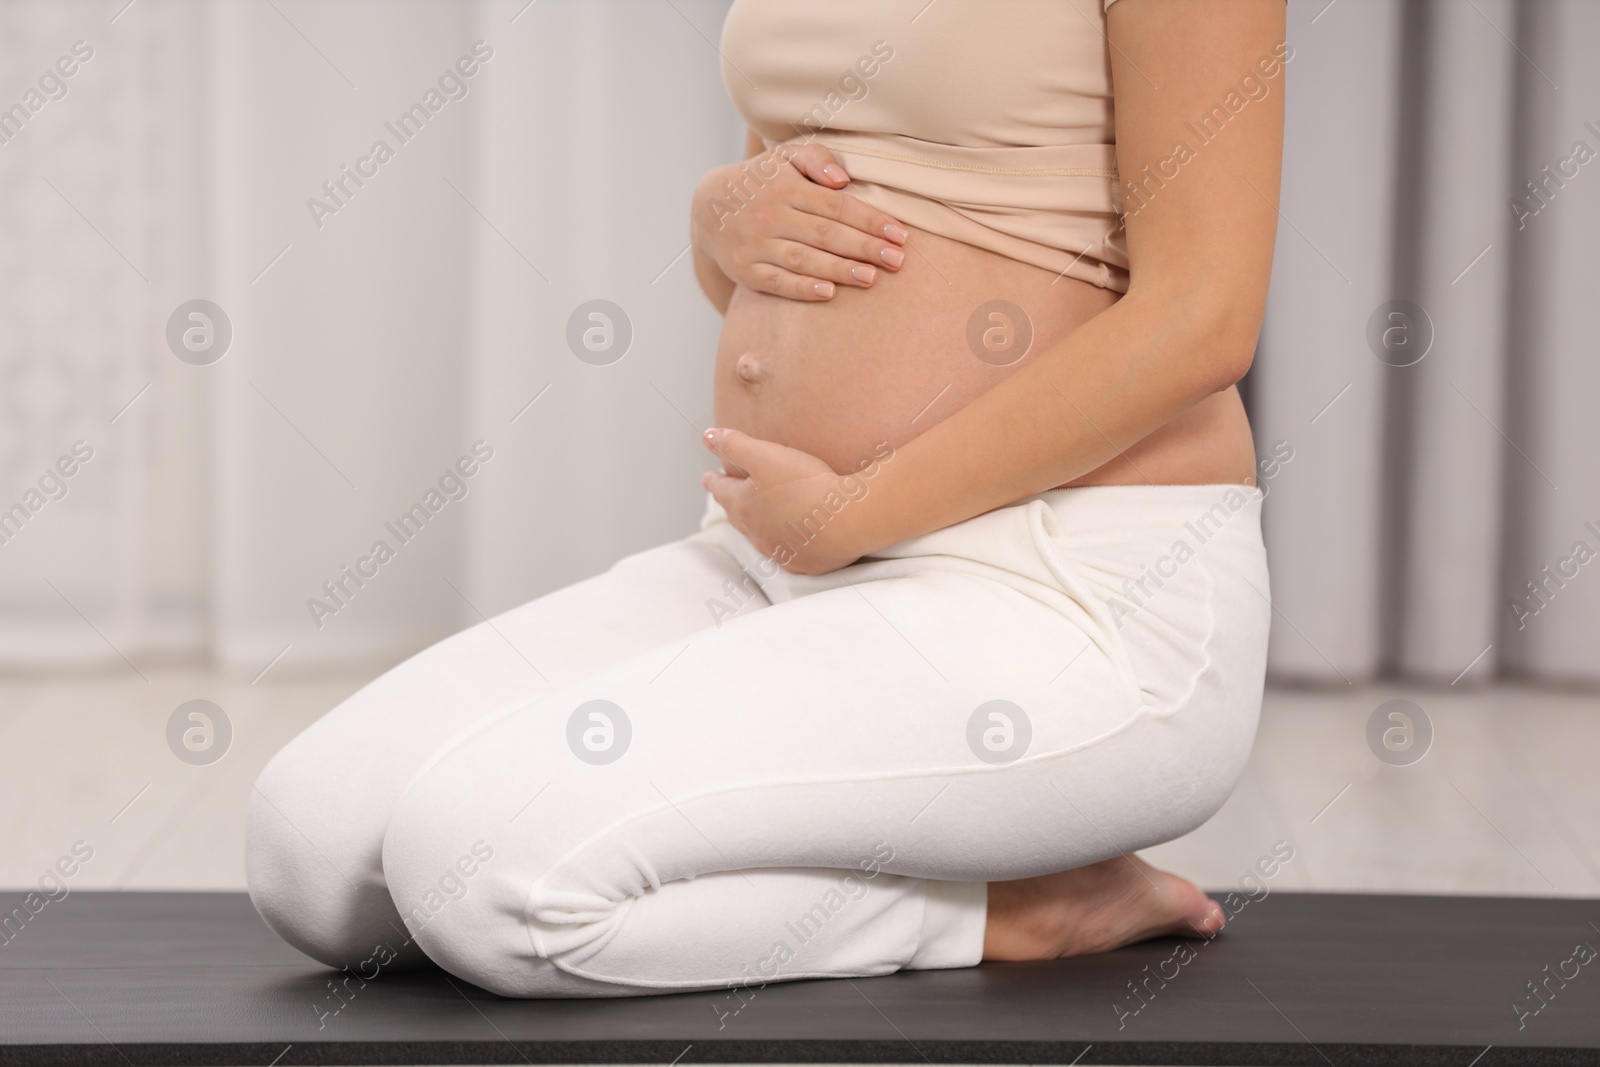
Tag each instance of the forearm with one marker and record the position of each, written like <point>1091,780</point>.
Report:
<point>1080,404</point>
<point>717,286</point>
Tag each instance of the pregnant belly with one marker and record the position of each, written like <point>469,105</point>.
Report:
<point>884,364</point>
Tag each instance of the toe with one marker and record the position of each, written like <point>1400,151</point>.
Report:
<point>1210,919</point>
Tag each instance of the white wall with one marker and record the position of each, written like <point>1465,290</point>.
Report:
<point>371,351</point>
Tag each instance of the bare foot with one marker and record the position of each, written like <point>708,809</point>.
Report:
<point>1094,909</point>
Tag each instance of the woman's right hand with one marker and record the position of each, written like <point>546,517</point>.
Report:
<point>797,234</point>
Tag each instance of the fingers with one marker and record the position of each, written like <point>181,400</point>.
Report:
<point>727,490</point>
<point>837,223</point>
<point>844,242</point>
<point>818,164</point>
<point>720,486</point>
<point>737,449</point>
<point>801,258</point>
<point>768,278</point>
<point>716,439</point>
<point>801,237</point>
<point>808,274</point>
<point>850,210</point>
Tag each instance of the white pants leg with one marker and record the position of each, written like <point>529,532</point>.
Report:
<point>317,814</point>
<point>824,786</point>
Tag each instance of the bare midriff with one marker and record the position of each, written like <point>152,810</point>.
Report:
<point>838,378</point>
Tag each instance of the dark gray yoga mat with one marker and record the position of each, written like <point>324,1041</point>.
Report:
<point>1297,978</point>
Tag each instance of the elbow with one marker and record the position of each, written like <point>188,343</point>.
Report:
<point>1228,359</point>
<point>1214,336</point>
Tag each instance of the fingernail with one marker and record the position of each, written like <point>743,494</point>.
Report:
<point>823,289</point>
<point>863,273</point>
<point>712,436</point>
<point>893,256</point>
<point>895,233</point>
<point>835,173</point>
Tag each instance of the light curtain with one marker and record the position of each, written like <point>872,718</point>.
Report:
<point>423,313</point>
<point>1424,497</point>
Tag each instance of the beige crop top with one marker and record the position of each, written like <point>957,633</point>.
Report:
<point>985,121</point>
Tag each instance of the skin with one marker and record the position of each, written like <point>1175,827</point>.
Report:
<point>847,343</point>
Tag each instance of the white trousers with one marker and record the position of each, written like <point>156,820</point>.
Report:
<point>696,771</point>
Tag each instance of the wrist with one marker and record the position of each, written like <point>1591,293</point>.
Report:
<point>927,484</point>
<point>878,518</point>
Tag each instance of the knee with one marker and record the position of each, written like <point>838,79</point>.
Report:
<point>439,861</point>
<point>1199,782</point>
<point>312,863</point>
<point>460,872</point>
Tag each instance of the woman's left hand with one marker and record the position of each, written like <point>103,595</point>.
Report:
<point>778,498</point>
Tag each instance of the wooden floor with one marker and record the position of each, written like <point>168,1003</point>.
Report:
<point>1506,801</point>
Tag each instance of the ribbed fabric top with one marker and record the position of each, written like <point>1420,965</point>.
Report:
<point>985,121</point>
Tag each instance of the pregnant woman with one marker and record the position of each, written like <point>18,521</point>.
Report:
<point>979,603</point>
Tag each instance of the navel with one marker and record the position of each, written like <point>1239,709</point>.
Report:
<point>749,369</point>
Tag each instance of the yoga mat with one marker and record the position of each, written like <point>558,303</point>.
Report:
<point>1297,978</point>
